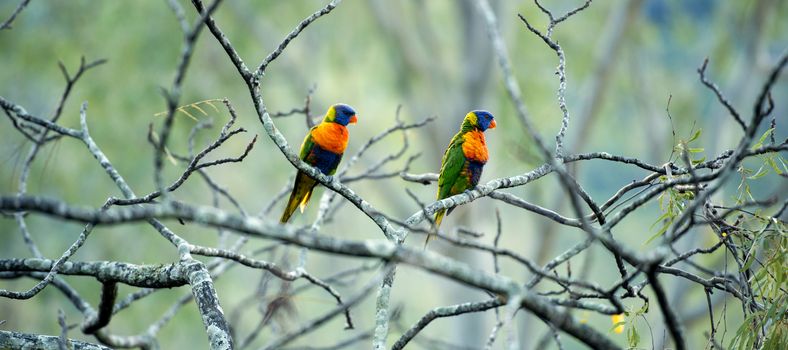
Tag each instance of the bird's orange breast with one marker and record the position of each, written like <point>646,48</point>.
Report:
<point>475,147</point>
<point>331,137</point>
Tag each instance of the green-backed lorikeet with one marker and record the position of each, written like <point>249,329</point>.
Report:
<point>322,148</point>
<point>463,161</point>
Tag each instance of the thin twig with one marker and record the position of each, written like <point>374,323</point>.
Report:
<point>713,87</point>
<point>7,23</point>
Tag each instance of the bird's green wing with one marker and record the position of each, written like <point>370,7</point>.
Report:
<point>451,171</point>
<point>302,188</point>
<point>307,145</point>
<point>451,167</point>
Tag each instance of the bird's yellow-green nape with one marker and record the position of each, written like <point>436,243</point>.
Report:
<point>471,118</point>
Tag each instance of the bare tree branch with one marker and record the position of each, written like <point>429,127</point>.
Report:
<point>713,87</point>
<point>7,23</point>
<point>16,340</point>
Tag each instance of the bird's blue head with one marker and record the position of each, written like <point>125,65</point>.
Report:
<point>342,114</point>
<point>482,120</point>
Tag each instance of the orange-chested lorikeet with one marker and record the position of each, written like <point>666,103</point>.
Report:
<point>464,159</point>
<point>322,148</point>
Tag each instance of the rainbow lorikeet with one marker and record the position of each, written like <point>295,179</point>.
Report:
<point>463,160</point>
<point>322,148</point>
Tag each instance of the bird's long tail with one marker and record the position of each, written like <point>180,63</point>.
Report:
<point>302,190</point>
<point>438,218</point>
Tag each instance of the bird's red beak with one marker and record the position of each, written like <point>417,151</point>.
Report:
<point>492,125</point>
<point>353,119</point>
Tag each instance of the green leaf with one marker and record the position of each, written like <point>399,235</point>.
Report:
<point>694,150</point>
<point>772,311</point>
<point>761,172</point>
<point>785,169</point>
<point>774,165</point>
<point>659,233</point>
<point>643,309</point>
<point>622,323</point>
<point>633,338</point>
<point>774,342</point>
<point>762,139</point>
<point>664,216</point>
<point>747,190</point>
<point>747,264</point>
<point>695,136</point>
